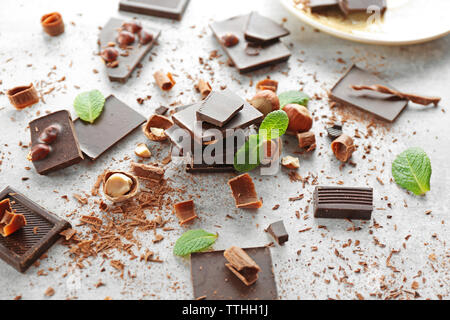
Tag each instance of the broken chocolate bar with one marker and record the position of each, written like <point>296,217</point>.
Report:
<point>334,131</point>
<point>364,6</point>
<point>262,29</point>
<point>22,248</point>
<point>343,203</point>
<point>278,232</point>
<point>220,107</point>
<point>171,9</point>
<point>242,265</point>
<point>244,192</point>
<point>185,211</point>
<point>147,172</point>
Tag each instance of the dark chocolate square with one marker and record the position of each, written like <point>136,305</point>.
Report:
<point>385,106</point>
<point>278,232</point>
<point>220,107</point>
<point>22,248</point>
<point>212,280</point>
<point>65,150</point>
<point>116,121</point>
<point>263,29</point>
<point>172,9</point>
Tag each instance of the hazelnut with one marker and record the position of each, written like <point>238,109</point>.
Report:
<point>145,37</point>
<point>38,152</point>
<point>155,127</point>
<point>109,54</point>
<point>265,101</point>
<point>300,119</point>
<point>142,151</point>
<point>132,26</point>
<point>125,38</point>
<point>229,40</point>
<point>117,185</point>
<point>290,162</point>
<point>49,134</point>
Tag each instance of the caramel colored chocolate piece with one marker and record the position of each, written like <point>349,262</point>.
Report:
<point>185,211</point>
<point>204,88</point>
<point>23,96</point>
<point>10,222</point>
<point>244,193</point>
<point>155,126</point>
<point>240,263</point>
<point>147,172</point>
<point>53,24</point>
<point>164,81</point>
<point>267,84</point>
<point>343,147</point>
<point>306,139</point>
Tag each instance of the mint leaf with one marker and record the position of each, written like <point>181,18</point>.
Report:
<point>412,170</point>
<point>293,96</point>
<point>89,105</point>
<point>193,241</point>
<point>274,125</point>
<point>247,157</point>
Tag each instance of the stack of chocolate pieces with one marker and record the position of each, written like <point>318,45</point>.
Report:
<point>208,133</point>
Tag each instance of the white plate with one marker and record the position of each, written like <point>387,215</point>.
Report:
<point>404,22</point>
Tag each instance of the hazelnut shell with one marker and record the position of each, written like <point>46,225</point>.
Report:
<point>156,121</point>
<point>133,191</point>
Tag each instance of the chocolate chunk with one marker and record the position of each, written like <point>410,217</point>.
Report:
<point>353,6</point>
<point>385,106</point>
<point>306,139</point>
<point>263,29</point>
<point>171,9</point>
<point>268,55</point>
<point>334,131</point>
<point>161,110</point>
<point>212,280</point>
<point>278,232</point>
<point>147,172</point>
<point>322,5</point>
<point>116,121</point>
<point>22,248</point>
<point>131,55</point>
<point>185,211</point>
<point>64,151</point>
<point>244,192</point>
<point>343,203</point>
<point>220,107</point>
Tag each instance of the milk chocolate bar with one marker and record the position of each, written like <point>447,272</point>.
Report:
<point>171,9</point>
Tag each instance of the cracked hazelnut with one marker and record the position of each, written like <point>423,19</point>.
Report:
<point>109,54</point>
<point>300,119</point>
<point>145,37</point>
<point>142,151</point>
<point>155,127</point>
<point>38,152</point>
<point>229,40</point>
<point>49,134</point>
<point>132,26</point>
<point>118,184</point>
<point>125,38</point>
<point>265,101</point>
<point>290,162</point>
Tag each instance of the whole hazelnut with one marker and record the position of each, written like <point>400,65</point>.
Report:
<point>300,119</point>
<point>49,134</point>
<point>125,38</point>
<point>229,40</point>
<point>265,101</point>
<point>109,54</point>
<point>38,152</point>
<point>145,37</point>
<point>132,26</point>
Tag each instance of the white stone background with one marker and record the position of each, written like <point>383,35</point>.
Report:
<point>420,68</point>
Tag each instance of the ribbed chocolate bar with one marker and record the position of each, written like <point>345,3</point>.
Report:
<point>343,203</point>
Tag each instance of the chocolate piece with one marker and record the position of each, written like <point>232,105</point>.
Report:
<point>212,280</point>
<point>164,81</point>
<point>187,119</point>
<point>278,232</point>
<point>262,29</point>
<point>116,121</point>
<point>147,172</point>
<point>335,131</point>
<point>244,192</point>
<point>24,247</point>
<point>53,24</point>
<point>161,110</point>
<point>322,5</point>
<point>185,211</point>
<point>306,139</point>
<point>220,107</point>
<point>353,6</point>
<point>10,221</point>
<point>209,168</point>
<point>343,147</point>
<point>171,9</point>
<point>268,55</point>
<point>155,127</point>
<point>343,203</point>
<point>127,62</point>
<point>387,107</point>
<point>64,151</point>
<point>240,263</point>
<point>23,96</point>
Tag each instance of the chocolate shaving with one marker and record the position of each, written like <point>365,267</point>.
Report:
<point>343,147</point>
<point>164,81</point>
<point>204,88</point>
<point>242,265</point>
<point>185,211</point>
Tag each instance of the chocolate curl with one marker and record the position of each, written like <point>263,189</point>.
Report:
<point>185,211</point>
<point>23,96</point>
<point>267,84</point>
<point>53,24</point>
<point>164,81</point>
<point>306,139</point>
<point>240,263</point>
<point>204,88</point>
<point>10,222</point>
<point>343,147</point>
<point>411,97</point>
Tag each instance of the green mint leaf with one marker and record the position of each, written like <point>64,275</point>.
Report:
<point>89,105</point>
<point>293,96</point>
<point>247,157</point>
<point>194,241</point>
<point>412,170</point>
<point>274,125</point>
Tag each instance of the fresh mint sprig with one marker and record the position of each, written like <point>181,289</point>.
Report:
<point>89,105</point>
<point>293,96</point>
<point>194,241</point>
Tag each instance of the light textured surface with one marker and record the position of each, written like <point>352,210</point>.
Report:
<point>28,55</point>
